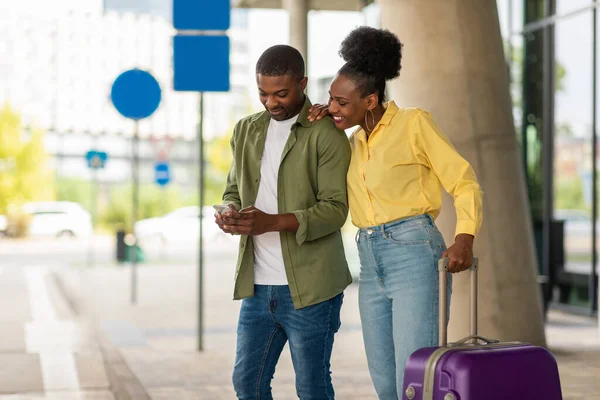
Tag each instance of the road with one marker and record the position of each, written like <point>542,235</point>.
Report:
<point>101,251</point>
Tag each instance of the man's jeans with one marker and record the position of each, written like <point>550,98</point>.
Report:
<point>398,296</point>
<point>267,321</point>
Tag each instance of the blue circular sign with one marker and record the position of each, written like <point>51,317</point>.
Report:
<point>135,94</point>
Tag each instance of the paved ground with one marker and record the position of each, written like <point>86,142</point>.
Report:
<point>45,352</point>
<point>72,333</point>
<point>157,337</point>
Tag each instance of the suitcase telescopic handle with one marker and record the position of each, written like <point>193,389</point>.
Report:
<point>443,299</point>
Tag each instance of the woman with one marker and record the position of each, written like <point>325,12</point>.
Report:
<point>400,162</point>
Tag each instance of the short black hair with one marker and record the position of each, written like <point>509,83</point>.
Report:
<point>372,57</point>
<point>281,60</point>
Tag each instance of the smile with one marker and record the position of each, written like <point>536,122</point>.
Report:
<point>337,120</point>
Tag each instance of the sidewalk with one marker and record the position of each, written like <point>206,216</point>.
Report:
<point>45,351</point>
<point>157,337</point>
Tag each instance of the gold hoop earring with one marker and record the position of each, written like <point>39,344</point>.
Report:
<point>367,121</point>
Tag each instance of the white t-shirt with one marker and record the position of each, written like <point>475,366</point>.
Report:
<point>268,256</point>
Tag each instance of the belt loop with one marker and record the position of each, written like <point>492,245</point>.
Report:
<point>383,232</point>
<point>430,219</point>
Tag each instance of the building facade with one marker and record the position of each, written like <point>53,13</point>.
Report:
<point>551,53</point>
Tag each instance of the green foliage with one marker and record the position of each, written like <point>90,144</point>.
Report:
<point>75,190</point>
<point>24,173</point>
<point>218,158</point>
<point>153,201</point>
<point>569,195</point>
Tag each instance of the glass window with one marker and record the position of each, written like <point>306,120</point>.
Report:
<point>534,10</point>
<point>515,12</point>
<point>503,6</point>
<point>566,6</point>
<point>572,143</point>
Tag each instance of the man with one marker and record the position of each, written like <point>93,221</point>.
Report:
<point>288,181</point>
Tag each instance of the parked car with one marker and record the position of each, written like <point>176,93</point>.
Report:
<point>3,225</point>
<point>182,224</point>
<point>577,222</point>
<point>58,219</point>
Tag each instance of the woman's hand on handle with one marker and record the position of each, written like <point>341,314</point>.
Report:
<point>460,253</point>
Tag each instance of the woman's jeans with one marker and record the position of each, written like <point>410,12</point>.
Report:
<point>398,296</point>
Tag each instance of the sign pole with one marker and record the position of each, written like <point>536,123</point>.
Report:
<point>95,160</point>
<point>201,32</point>
<point>135,189</point>
<point>94,207</point>
<point>201,240</point>
<point>136,95</point>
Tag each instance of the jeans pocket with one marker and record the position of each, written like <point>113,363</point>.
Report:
<point>415,235</point>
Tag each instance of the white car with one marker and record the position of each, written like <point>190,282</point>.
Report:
<point>59,219</point>
<point>3,225</point>
<point>577,222</point>
<point>179,225</point>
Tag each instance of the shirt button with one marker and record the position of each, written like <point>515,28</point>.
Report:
<point>256,181</point>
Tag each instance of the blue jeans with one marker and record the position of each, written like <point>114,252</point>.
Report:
<point>398,296</point>
<point>267,321</point>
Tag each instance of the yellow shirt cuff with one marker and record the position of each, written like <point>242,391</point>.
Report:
<point>466,226</point>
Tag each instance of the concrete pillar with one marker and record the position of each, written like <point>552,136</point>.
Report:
<point>298,13</point>
<point>453,66</point>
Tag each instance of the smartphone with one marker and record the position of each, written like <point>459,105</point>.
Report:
<point>221,208</point>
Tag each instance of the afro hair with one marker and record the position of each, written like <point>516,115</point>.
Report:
<point>372,56</point>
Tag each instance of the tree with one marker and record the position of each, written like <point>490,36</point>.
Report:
<point>24,173</point>
<point>153,201</point>
<point>218,162</point>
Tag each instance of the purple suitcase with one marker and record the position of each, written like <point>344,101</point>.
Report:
<point>476,368</point>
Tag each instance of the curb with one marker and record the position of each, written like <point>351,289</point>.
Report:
<point>124,384</point>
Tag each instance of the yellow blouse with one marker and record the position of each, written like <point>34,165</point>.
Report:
<point>400,170</point>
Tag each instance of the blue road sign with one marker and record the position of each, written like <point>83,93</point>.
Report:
<point>201,63</point>
<point>96,159</point>
<point>213,15</point>
<point>162,173</point>
<point>135,94</point>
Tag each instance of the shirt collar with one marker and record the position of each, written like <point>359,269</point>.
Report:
<point>390,110</point>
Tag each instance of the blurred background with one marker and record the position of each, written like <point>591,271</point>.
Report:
<point>66,153</point>
<point>70,233</point>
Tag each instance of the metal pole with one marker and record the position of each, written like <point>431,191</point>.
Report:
<point>135,198</point>
<point>593,282</point>
<point>443,302</point>
<point>94,207</point>
<point>526,107</point>
<point>510,45</point>
<point>474,302</point>
<point>201,205</point>
<point>548,152</point>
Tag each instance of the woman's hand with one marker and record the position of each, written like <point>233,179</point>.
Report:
<point>460,253</point>
<point>317,112</point>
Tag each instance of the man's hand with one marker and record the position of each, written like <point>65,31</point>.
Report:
<point>460,253</point>
<point>219,218</point>
<point>249,221</point>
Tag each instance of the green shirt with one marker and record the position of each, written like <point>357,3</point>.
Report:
<point>312,185</point>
